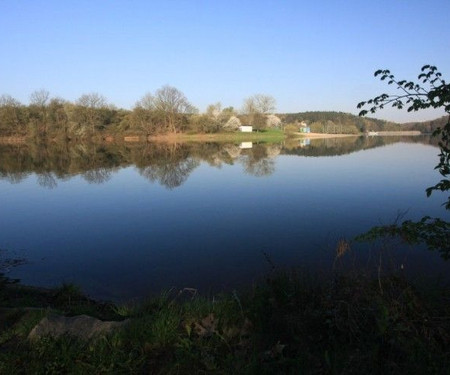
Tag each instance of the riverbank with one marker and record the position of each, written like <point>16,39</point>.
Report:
<point>402,133</point>
<point>288,323</point>
<point>268,136</point>
<point>380,133</point>
<point>325,135</point>
<point>265,136</point>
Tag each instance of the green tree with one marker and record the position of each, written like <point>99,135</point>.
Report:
<point>430,92</point>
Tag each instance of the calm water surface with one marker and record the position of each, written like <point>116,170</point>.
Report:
<point>123,221</point>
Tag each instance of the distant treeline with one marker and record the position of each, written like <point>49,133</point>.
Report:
<point>168,110</point>
<point>346,123</point>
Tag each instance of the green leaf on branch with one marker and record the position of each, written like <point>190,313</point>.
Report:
<point>433,232</point>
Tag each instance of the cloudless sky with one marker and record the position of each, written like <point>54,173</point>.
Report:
<point>309,55</point>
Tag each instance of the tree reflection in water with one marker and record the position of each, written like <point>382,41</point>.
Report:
<point>99,175</point>
<point>47,180</point>
<point>170,175</point>
<point>167,164</point>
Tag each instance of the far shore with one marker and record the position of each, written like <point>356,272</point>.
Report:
<point>325,135</point>
<point>264,136</point>
<point>380,133</point>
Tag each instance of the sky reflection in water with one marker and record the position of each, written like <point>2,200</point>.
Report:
<point>207,227</point>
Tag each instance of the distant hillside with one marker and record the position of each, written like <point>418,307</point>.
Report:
<point>339,122</point>
<point>427,126</point>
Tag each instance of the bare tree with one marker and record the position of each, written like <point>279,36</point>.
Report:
<point>38,111</point>
<point>89,110</point>
<point>39,98</point>
<point>258,107</point>
<point>7,100</point>
<point>259,103</point>
<point>10,114</point>
<point>172,102</point>
<point>146,102</point>
<point>92,100</point>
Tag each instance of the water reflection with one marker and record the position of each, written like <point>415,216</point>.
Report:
<point>98,176</point>
<point>47,179</point>
<point>260,161</point>
<point>167,164</point>
<point>222,206</point>
<point>170,174</point>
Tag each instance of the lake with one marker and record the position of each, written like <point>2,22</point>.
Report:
<point>126,220</point>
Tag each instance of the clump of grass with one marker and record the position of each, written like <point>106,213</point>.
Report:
<point>125,310</point>
<point>68,294</point>
<point>352,323</point>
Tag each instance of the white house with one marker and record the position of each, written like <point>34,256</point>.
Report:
<point>246,128</point>
<point>304,142</point>
<point>245,145</point>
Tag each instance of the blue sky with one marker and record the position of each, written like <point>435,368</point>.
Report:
<point>315,55</point>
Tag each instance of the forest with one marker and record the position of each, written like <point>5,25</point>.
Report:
<point>346,123</point>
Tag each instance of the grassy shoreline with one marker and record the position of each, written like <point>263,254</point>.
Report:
<point>266,136</point>
<point>269,136</point>
<point>288,323</point>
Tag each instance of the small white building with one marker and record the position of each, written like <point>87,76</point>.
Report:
<point>245,145</point>
<point>246,128</point>
<point>304,142</point>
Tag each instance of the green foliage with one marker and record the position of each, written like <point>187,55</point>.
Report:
<point>67,294</point>
<point>204,124</point>
<point>431,92</point>
<point>341,123</point>
<point>433,232</point>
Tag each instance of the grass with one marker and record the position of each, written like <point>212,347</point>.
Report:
<point>265,136</point>
<point>289,323</point>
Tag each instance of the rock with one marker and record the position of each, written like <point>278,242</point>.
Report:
<point>82,326</point>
